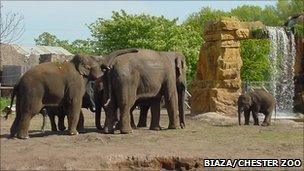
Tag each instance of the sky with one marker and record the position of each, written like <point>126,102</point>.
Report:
<point>68,19</point>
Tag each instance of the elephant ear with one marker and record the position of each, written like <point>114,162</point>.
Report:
<point>179,67</point>
<point>82,64</point>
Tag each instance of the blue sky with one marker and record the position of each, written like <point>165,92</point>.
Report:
<point>68,19</point>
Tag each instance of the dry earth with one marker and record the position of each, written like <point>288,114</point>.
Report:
<point>206,136</point>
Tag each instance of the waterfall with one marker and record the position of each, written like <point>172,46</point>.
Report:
<point>282,56</point>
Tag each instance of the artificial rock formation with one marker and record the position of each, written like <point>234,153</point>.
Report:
<point>218,82</point>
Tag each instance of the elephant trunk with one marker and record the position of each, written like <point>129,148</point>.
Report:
<point>181,105</point>
<point>108,89</point>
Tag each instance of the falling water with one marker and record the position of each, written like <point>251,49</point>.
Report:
<point>282,56</point>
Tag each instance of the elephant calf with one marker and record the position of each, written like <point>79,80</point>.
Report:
<point>258,101</point>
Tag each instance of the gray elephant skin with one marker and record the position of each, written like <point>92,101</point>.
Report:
<point>88,102</point>
<point>257,101</point>
<point>145,74</point>
<point>53,84</point>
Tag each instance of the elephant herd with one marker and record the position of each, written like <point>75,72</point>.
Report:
<point>117,83</point>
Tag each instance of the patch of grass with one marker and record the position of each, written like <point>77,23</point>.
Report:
<point>4,102</point>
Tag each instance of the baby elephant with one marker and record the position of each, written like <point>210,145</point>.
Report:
<point>258,101</point>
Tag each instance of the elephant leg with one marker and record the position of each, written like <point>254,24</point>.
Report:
<point>143,116</point>
<point>44,116</point>
<point>80,125</point>
<point>52,120</point>
<point>28,111</point>
<point>97,116</point>
<point>61,125</point>
<point>247,117</point>
<point>155,116</point>
<point>255,118</point>
<point>172,105</point>
<point>132,117</point>
<point>125,126</point>
<point>267,119</point>
<point>73,116</point>
<point>111,118</point>
<point>14,127</point>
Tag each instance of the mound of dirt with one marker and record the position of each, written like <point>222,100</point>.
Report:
<point>214,118</point>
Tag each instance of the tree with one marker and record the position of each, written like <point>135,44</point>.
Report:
<point>76,47</point>
<point>198,20</point>
<point>124,30</point>
<point>47,39</point>
<point>256,64</point>
<point>11,26</point>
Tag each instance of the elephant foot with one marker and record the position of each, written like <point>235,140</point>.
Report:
<point>182,125</point>
<point>141,125</point>
<point>81,131</point>
<point>246,124</point>
<point>265,124</point>
<point>61,129</point>
<point>256,124</point>
<point>155,128</point>
<point>106,130</point>
<point>133,126</point>
<point>54,129</point>
<point>117,126</point>
<point>73,132</point>
<point>126,130</point>
<point>23,136</point>
<point>172,126</point>
<point>99,127</point>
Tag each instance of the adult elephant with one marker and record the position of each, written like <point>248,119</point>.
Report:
<point>257,101</point>
<point>53,84</point>
<point>143,75</point>
<point>88,102</point>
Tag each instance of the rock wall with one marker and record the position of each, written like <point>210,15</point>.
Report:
<point>218,82</point>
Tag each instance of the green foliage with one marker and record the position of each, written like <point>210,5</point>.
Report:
<point>124,30</point>
<point>256,64</point>
<point>76,47</point>
<point>4,102</point>
<point>198,20</point>
<point>299,30</point>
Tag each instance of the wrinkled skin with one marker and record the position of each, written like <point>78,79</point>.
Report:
<point>144,106</point>
<point>142,75</point>
<point>53,84</point>
<point>258,101</point>
<point>52,111</point>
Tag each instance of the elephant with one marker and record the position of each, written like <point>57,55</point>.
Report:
<point>145,74</point>
<point>98,98</point>
<point>257,101</point>
<point>88,102</point>
<point>53,84</point>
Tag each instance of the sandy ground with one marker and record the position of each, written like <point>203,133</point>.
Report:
<point>205,136</point>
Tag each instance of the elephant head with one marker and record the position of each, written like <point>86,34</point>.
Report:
<point>244,103</point>
<point>87,66</point>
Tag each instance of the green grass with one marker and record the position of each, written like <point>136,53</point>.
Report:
<point>4,102</point>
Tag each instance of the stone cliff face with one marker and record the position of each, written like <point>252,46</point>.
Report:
<point>218,82</point>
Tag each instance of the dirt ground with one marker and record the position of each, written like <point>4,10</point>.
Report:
<point>205,136</point>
